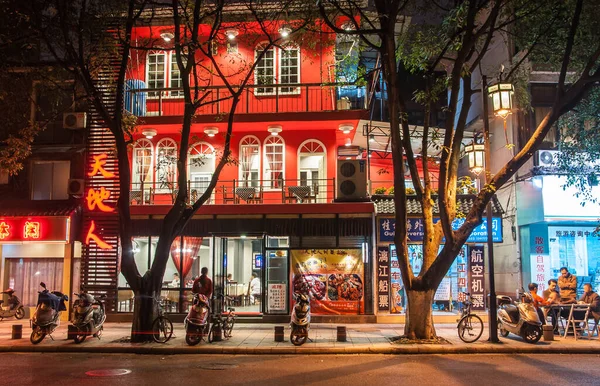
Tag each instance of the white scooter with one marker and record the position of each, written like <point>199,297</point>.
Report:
<point>300,321</point>
<point>519,318</point>
<point>88,316</point>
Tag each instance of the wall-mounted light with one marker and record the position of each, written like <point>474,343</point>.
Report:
<point>274,129</point>
<point>348,142</point>
<point>211,131</point>
<point>371,138</point>
<point>285,31</point>
<point>348,26</point>
<point>149,133</point>
<point>231,33</point>
<point>167,36</point>
<point>346,128</point>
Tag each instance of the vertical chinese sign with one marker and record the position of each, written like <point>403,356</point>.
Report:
<point>539,257</point>
<point>383,279</point>
<point>397,293</point>
<point>477,278</point>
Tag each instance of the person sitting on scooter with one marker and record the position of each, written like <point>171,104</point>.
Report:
<point>538,301</point>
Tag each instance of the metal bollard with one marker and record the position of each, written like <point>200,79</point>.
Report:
<point>17,331</point>
<point>341,333</point>
<point>548,330</point>
<point>278,333</point>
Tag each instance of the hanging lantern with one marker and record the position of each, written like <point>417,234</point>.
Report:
<point>476,155</point>
<point>501,94</point>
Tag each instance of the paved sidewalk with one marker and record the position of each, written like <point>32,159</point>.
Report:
<point>259,339</point>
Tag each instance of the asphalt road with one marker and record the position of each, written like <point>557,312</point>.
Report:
<point>359,370</point>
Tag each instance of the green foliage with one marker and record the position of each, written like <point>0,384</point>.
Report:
<point>390,190</point>
<point>380,190</point>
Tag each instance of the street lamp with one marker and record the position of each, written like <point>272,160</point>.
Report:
<point>501,95</point>
<point>476,155</point>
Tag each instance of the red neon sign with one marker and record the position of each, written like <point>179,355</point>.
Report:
<point>34,229</point>
<point>92,236</point>
<point>98,166</point>
<point>96,198</point>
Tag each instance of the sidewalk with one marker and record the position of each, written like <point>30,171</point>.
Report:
<point>259,339</point>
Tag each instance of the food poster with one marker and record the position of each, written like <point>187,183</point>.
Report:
<point>333,279</point>
<point>397,289</point>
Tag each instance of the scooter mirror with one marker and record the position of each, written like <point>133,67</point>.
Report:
<point>43,285</point>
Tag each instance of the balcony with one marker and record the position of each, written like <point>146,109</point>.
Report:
<point>237,192</point>
<point>281,98</point>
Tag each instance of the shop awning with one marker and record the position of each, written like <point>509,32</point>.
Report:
<point>23,208</point>
<point>385,205</point>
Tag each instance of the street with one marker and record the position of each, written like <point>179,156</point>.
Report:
<point>91,369</point>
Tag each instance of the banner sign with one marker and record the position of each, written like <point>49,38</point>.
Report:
<point>477,278</point>
<point>415,229</point>
<point>333,279</point>
<point>383,278</point>
<point>34,229</point>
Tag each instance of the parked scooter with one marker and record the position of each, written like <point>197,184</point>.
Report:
<point>300,321</point>
<point>46,317</point>
<point>196,321</point>
<point>15,307</point>
<point>519,318</point>
<point>88,316</point>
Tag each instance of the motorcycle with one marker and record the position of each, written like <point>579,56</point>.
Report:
<point>196,321</point>
<point>300,321</point>
<point>519,318</point>
<point>88,317</point>
<point>15,307</point>
<point>46,317</point>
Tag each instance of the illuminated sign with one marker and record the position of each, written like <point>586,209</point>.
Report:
<point>92,236</point>
<point>95,199</point>
<point>98,166</point>
<point>34,229</point>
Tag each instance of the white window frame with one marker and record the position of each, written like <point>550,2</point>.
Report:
<point>166,143</point>
<point>266,90</point>
<point>168,77</point>
<point>316,147</point>
<point>206,150</point>
<point>141,144</point>
<point>249,141</point>
<point>289,90</point>
<point>272,142</point>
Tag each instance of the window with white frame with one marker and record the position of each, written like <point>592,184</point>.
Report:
<point>264,73</point>
<point>273,163</point>
<point>142,158</point>
<point>162,71</point>
<point>289,68</point>
<point>249,161</point>
<point>166,165</point>
<point>201,166</point>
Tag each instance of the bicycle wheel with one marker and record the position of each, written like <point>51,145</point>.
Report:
<point>211,333</point>
<point>162,329</point>
<point>470,328</point>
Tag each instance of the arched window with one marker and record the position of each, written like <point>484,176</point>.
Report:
<point>289,68</point>
<point>166,165</point>
<point>274,162</point>
<point>142,158</point>
<point>264,73</point>
<point>312,167</point>
<point>249,161</point>
<point>201,166</point>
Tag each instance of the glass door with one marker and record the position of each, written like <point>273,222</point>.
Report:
<point>219,263</point>
<point>277,274</point>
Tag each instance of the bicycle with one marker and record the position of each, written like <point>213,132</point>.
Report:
<point>470,326</point>
<point>225,321</point>
<point>162,327</point>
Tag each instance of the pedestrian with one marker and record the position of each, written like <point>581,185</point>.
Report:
<point>203,285</point>
<point>568,286</point>
<point>538,301</point>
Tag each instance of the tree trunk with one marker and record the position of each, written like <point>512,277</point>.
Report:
<point>145,310</point>
<point>419,315</point>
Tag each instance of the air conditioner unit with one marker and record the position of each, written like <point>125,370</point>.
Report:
<point>351,180</point>
<point>76,186</point>
<point>74,121</point>
<point>546,158</point>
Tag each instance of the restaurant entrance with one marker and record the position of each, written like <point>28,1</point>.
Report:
<point>239,272</point>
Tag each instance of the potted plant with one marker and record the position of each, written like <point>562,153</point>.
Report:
<point>390,190</point>
<point>380,190</point>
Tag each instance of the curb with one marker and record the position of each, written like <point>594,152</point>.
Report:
<point>391,350</point>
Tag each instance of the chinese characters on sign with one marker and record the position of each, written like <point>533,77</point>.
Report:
<point>397,293</point>
<point>383,278</point>
<point>276,296</point>
<point>34,229</point>
<point>540,262</point>
<point>95,199</point>
<point>476,278</point>
<point>4,230</point>
<point>415,229</point>
<point>31,230</point>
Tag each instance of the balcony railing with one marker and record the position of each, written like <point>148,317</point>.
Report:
<point>280,98</point>
<point>237,192</point>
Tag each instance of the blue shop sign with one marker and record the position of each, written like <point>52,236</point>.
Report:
<point>387,229</point>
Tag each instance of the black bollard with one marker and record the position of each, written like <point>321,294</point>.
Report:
<point>17,331</point>
<point>278,333</point>
<point>341,333</point>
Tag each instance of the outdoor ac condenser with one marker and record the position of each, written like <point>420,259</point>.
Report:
<point>351,180</point>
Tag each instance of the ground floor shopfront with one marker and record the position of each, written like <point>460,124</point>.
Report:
<point>258,261</point>
<point>557,231</point>
<point>38,248</point>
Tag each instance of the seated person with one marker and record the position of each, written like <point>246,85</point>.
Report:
<point>552,297</point>
<point>175,282</point>
<point>254,288</point>
<point>538,302</point>
<point>590,297</point>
